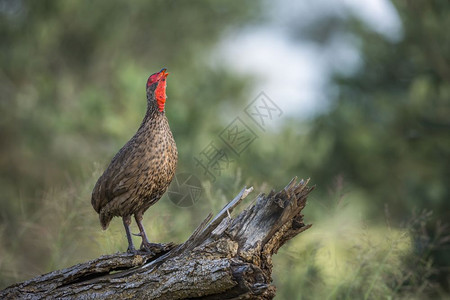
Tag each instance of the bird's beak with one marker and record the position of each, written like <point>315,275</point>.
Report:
<point>163,73</point>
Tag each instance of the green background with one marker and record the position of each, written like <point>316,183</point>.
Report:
<point>72,88</point>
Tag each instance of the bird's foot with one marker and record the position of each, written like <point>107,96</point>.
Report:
<point>131,250</point>
<point>152,247</point>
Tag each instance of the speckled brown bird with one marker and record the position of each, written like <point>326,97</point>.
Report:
<point>141,171</point>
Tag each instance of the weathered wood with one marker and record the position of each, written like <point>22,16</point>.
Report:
<point>225,258</point>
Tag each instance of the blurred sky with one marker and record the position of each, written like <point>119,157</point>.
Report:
<point>293,71</point>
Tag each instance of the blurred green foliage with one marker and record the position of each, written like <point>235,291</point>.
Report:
<point>72,84</point>
<point>389,127</point>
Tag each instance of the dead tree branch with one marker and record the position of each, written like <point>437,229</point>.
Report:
<point>225,258</point>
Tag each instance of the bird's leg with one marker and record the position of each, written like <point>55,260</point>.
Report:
<point>126,224</point>
<point>146,245</point>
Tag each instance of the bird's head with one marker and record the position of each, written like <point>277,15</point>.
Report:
<point>156,89</point>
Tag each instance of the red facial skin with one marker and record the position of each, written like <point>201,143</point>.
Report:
<point>160,91</point>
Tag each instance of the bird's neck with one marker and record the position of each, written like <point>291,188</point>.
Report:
<point>153,110</point>
<point>156,97</point>
<point>152,114</point>
<point>152,117</point>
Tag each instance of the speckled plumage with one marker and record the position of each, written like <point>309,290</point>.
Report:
<point>140,172</point>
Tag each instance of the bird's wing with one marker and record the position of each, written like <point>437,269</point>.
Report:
<point>124,175</point>
<point>108,185</point>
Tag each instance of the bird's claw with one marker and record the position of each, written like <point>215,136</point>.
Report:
<point>152,248</point>
<point>131,250</point>
<point>147,249</point>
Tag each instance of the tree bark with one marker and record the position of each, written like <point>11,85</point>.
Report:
<point>224,258</point>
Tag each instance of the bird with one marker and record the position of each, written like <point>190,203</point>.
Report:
<point>140,173</point>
